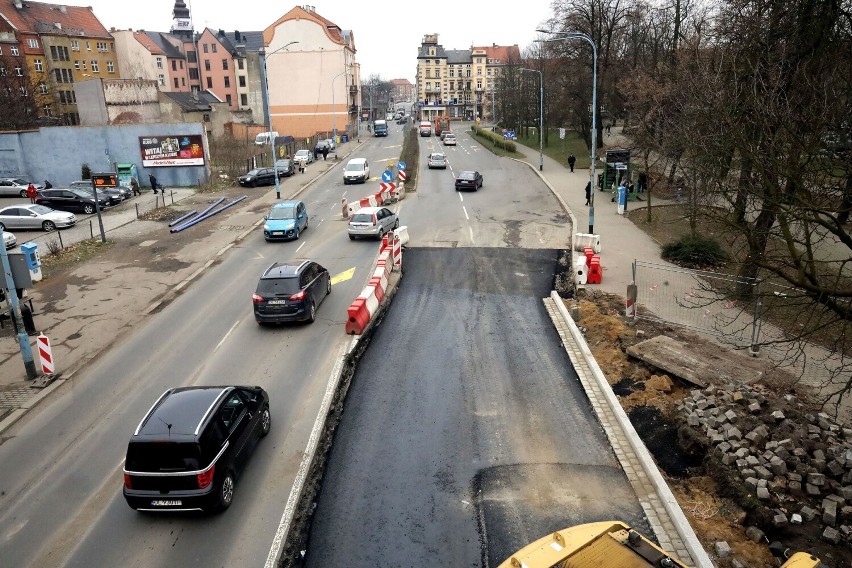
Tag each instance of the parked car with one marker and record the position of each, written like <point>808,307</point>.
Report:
<point>356,169</point>
<point>191,446</point>
<point>259,176</point>
<point>285,167</point>
<point>437,160</point>
<point>290,292</point>
<point>449,138</point>
<point>304,156</point>
<point>468,180</point>
<point>322,145</point>
<point>70,200</point>
<point>331,144</point>
<point>15,187</point>
<point>372,222</point>
<point>116,194</point>
<point>35,217</point>
<point>9,240</point>
<point>286,220</point>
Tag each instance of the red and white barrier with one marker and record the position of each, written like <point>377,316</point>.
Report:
<point>361,311</point>
<point>45,355</point>
<point>397,253</point>
<point>389,193</point>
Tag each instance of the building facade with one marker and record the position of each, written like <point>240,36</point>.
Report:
<point>403,90</point>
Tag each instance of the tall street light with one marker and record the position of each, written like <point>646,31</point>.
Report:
<point>540,117</point>
<point>588,39</point>
<point>334,113</point>
<point>269,116</point>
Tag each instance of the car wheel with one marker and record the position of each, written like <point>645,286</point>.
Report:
<point>296,233</point>
<point>312,313</point>
<point>23,193</point>
<point>396,224</point>
<point>254,183</point>
<point>225,495</point>
<point>265,421</point>
<point>328,287</point>
<point>2,227</point>
<point>307,222</point>
<point>88,209</point>
<point>48,226</point>
<point>351,237</point>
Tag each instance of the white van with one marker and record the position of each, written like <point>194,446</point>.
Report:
<point>265,138</point>
<point>357,169</point>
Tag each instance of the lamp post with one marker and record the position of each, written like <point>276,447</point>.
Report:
<point>334,113</point>
<point>269,116</point>
<point>540,117</point>
<point>593,181</point>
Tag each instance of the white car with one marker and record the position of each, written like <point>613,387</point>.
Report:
<point>330,142</point>
<point>9,240</point>
<point>35,217</point>
<point>16,187</point>
<point>449,139</point>
<point>304,156</point>
<point>372,222</point>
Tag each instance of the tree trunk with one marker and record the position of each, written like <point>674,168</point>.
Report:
<point>758,238</point>
<point>743,188</point>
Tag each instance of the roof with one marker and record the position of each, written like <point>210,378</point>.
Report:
<point>54,19</point>
<point>458,56</point>
<point>168,49</point>
<point>423,52</point>
<point>332,30</point>
<point>283,270</point>
<point>502,54</point>
<point>148,43</point>
<point>180,411</point>
<point>403,82</point>
<point>190,102</point>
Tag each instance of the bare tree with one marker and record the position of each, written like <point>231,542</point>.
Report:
<point>17,96</point>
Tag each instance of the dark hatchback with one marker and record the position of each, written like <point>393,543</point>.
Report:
<point>260,176</point>
<point>191,446</point>
<point>290,292</point>
<point>285,167</point>
<point>468,180</point>
<point>70,200</point>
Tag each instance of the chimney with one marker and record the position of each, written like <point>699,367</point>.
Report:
<point>19,4</point>
<point>236,35</point>
<point>63,9</point>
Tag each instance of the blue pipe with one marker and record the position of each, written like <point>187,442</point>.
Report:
<point>200,215</point>
<point>200,218</point>
<point>178,220</point>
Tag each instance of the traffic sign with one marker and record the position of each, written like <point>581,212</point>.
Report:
<point>402,175</point>
<point>401,165</point>
<point>387,175</point>
<point>387,186</point>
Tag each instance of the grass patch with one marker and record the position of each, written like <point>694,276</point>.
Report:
<point>59,259</point>
<point>558,149</point>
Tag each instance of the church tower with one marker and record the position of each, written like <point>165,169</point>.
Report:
<point>181,22</point>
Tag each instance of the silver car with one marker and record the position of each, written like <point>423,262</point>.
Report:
<point>35,217</point>
<point>372,222</point>
<point>16,187</point>
<point>9,240</point>
<point>437,160</point>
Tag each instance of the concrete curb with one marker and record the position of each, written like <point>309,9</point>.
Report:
<point>681,524</point>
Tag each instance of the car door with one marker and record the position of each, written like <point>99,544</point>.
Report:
<point>234,415</point>
<point>10,217</point>
<point>301,216</point>
<point>7,188</point>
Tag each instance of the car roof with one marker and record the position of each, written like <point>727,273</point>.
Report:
<point>370,210</point>
<point>283,269</point>
<point>180,412</point>
<point>287,203</point>
<point>467,173</point>
<point>356,160</point>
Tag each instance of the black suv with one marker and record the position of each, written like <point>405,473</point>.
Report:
<point>70,200</point>
<point>188,450</point>
<point>290,292</point>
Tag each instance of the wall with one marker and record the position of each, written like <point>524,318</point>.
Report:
<point>57,153</point>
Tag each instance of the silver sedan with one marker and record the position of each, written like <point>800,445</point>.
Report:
<point>35,217</point>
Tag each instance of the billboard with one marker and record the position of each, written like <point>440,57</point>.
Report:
<point>181,150</point>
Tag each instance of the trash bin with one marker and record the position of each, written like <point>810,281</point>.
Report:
<point>344,138</point>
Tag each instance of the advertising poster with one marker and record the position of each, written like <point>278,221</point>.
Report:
<point>181,150</point>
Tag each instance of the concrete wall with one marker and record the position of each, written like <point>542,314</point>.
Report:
<point>117,101</point>
<point>57,153</point>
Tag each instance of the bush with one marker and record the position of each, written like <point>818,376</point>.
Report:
<point>410,154</point>
<point>494,139</point>
<point>85,172</point>
<point>695,251</point>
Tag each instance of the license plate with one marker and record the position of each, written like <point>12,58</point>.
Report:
<point>166,503</point>
<point>277,232</point>
<point>276,302</point>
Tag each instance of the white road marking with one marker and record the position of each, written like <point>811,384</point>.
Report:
<point>466,216</point>
<point>300,247</point>
<point>320,223</point>
<point>471,233</point>
<point>461,197</point>
<point>236,323</point>
<point>333,205</point>
<point>344,193</point>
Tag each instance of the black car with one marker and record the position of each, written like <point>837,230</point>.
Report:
<point>468,180</point>
<point>285,167</point>
<point>260,176</point>
<point>192,445</point>
<point>69,200</point>
<point>114,195</point>
<point>290,292</point>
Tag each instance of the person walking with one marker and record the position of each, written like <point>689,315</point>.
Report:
<point>571,160</point>
<point>31,192</point>
<point>154,184</point>
<point>588,192</point>
<point>642,182</point>
<point>325,152</point>
<point>134,185</point>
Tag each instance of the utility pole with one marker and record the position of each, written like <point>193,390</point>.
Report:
<point>23,338</point>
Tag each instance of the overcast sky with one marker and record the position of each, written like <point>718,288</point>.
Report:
<point>387,34</point>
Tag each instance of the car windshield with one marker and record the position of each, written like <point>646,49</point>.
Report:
<point>282,163</point>
<point>20,181</point>
<point>253,172</point>
<point>354,167</point>
<point>40,209</point>
<point>282,213</point>
<point>303,153</point>
<point>467,175</point>
<point>438,157</point>
<point>81,193</point>
<point>278,286</point>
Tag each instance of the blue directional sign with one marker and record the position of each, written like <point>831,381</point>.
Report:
<point>400,165</point>
<point>387,176</point>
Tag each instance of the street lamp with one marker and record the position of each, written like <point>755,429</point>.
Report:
<point>269,116</point>
<point>540,117</point>
<point>334,113</point>
<point>588,39</point>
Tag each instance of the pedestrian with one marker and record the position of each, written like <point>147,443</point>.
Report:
<point>325,152</point>
<point>31,192</point>
<point>588,192</point>
<point>316,153</point>
<point>134,185</point>
<point>642,182</point>
<point>154,184</point>
<point>608,127</point>
<point>571,160</point>
<point>48,185</point>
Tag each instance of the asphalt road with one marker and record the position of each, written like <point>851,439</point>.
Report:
<point>466,433</point>
<point>60,472</point>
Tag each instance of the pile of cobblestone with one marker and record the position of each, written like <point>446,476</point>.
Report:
<point>796,463</point>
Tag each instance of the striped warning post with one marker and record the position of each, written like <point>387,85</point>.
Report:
<point>44,354</point>
<point>397,253</point>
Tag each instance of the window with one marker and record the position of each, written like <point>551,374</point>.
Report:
<point>162,79</point>
<point>95,67</point>
<point>62,97</point>
<point>207,65</point>
<point>19,71</point>
<point>174,65</point>
<point>102,46</point>
<point>42,89</point>
<point>88,46</point>
<point>110,67</point>
<point>241,64</point>
<point>205,48</point>
<point>225,64</point>
<point>159,63</point>
<point>206,117</point>
<point>54,53</point>
<point>75,45</point>
<point>227,82</point>
<point>242,80</point>
<point>228,99</point>
<point>24,92</point>
<point>244,99</point>
<point>183,81</point>
<point>77,65</point>
<point>1,50</point>
<point>452,72</point>
<point>37,64</point>
<point>479,84</point>
<point>193,74</point>
<point>176,83</point>
<point>84,65</point>
<point>181,64</point>
<point>209,82</point>
<point>191,57</point>
<point>57,72</point>
<point>46,110</point>
<point>14,50</point>
<point>213,47</point>
<point>32,43</point>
